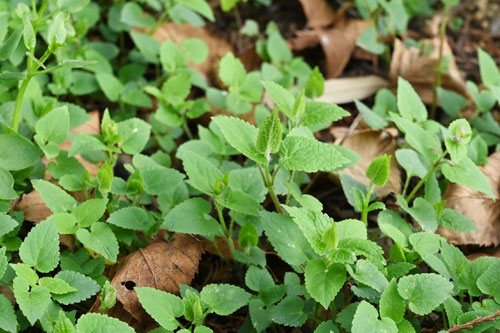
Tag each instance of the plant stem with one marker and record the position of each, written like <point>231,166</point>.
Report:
<point>292,179</point>
<point>364,214</point>
<point>427,175</point>
<point>269,185</point>
<point>228,236</point>
<point>16,119</point>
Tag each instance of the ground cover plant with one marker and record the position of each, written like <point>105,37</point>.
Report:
<point>185,166</point>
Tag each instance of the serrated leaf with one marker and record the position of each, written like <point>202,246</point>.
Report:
<point>40,248</point>
<point>489,283</point>
<point>283,98</point>
<point>269,135</point>
<point>32,303</point>
<point>95,323</point>
<point>468,174</point>
<point>286,237</point>
<point>231,71</point>
<point>379,169</point>
<point>54,197</point>
<point>259,315</point>
<point>56,286</point>
<point>7,224</point>
<point>224,299</point>
<point>258,279</point>
<point>11,44</point>
<point>366,320</point>
<point>289,312</point>
<point>412,162</point>
<point>425,292</point>
<point>368,274</point>
<point>410,105</point>
<point>371,250</point>
<point>25,272</point>
<point>85,287</point>
<point>17,152</point>
<point>324,282</point>
<point>320,113</point>
<point>54,126</point>
<point>162,306</point>
<point>192,217</point>
<point>101,239</point>
<point>8,319</point>
<point>201,172</point>
<point>453,310</point>
<point>468,278</point>
<point>89,212</point>
<point>309,155</point>
<point>391,304</point>
<point>241,136</point>
<point>133,218</point>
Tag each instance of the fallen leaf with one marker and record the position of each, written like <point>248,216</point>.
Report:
<point>349,89</point>
<point>33,207</point>
<point>478,207</point>
<point>162,265</point>
<point>8,293</point>
<point>493,252</point>
<point>217,46</point>
<point>318,13</point>
<point>369,144</point>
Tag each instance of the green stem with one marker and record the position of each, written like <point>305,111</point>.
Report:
<point>270,188</point>
<point>16,119</point>
<point>292,179</point>
<point>405,187</point>
<point>427,175</point>
<point>364,214</point>
<point>228,237</point>
<point>158,22</point>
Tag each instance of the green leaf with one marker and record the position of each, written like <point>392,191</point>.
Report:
<point>40,248</point>
<point>32,303</point>
<point>54,126</point>
<point>162,306</point>
<point>269,135</point>
<point>454,220</point>
<point>278,49</point>
<point>425,292</point>
<point>259,315</point>
<point>283,98</point>
<point>321,113</point>
<point>368,274</point>
<point>363,247</point>
<point>8,319</point>
<point>313,225</point>
<point>286,237</point>
<point>422,211</point>
<point>289,312</point>
<point>85,287</point>
<point>366,320</point>
<point>258,279</point>
<point>55,285</point>
<point>25,272</point>
<point>89,212</point>
<point>241,135</point>
<point>413,162</point>
<point>345,317</point>
<point>239,202</point>
<point>6,187</point>
<point>199,6</point>
<point>489,283</point>
<point>7,224</point>
<point>315,84</point>
<point>28,32</point>
<point>326,327</point>
<point>351,228</point>
<point>83,143</point>
<point>368,40</point>
<point>133,218</point>
<point>101,239</point>
<point>147,45</point>
<point>136,133</point>
<point>410,105</point>
<point>472,272</point>
<point>309,155</point>
<point>453,310</point>
<point>196,49</point>
<point>231,71</point>
<point>488,68</point>
<point>17,152</point>
<point>133,15</point>
<point>3,261</point>
<point>10,45</point>
<point>192,217</point>
<point>202,173</point>
<point>468,174</point>
<point>95,323</point>
<point>224,299</point>
<point>451,102</point>
<point>324,282</point>
<point>171,56</point>
<point>379,169</point>
<point>54,197</point>
<point>394,226</point>
<point>110,85</point>
<point>391,304</point>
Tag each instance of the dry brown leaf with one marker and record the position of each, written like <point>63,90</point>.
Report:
<point>318,13</point>
<point>478,207</point>
<point>419,69</point>
<point>161,265</point>
<point>346,90</point>
<point>33,207</point>
<point>369,144</point>
<point>217,46</point>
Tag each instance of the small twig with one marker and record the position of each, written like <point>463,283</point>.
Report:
<point>351,129</point>
<point>471,323</point>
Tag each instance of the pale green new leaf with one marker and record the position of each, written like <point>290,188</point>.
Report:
<point>379,169</point>
<point>89,212</point>
<point>25,272</point>
<point>324,282</point>
<point>368,274</point>
<point>40,248</point>
<point>133,218</point>
<point>201,172</point>
<point>283,98</point>
<point>269,135</point>
<point>409,103</point>
<point>488,68</point>
<point>54,126</point>
<point>224,299</point>
<point>110,85</point>
<point>32,303</point>
<point>97,323</point>
<point>84,286</point>
<point>101,239</point>
<point>489,283</point>
<point>162,306</point>
<point>241,135</point>
<point>200,6</point>
<point>54,197</point>
<point>321,113</point>
<point>366,320</point>
<point>7,224</point>
<point>55,285</point>
<point>309,155</point>
<point>470,275</point>
<point>425,292</point>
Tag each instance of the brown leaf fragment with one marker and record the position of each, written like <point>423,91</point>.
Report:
<point>348,89</point>
<point>33,207</point>
<point>478,207</point>
<point>318,13</point>
<point>369,144</point>
<point>161,265</point>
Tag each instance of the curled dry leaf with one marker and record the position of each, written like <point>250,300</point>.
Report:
<point>162,265</point>
<point>419,69</point>
<point>217,45</point>
<point>318,13</point>
<point>349,89</point>
<point>478,207</point>
<point>369,144</point>
<point>33,207</point>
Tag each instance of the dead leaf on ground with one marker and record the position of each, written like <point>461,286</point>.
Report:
<point>318,13</point>
<point>419,69</point>
<point>493,252</point>
<point>217,45</point>
<point>478,207</point>
<point>33,207</point>
<point>347,90</point>
<point>369,144</point>
<point>161,265</point>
